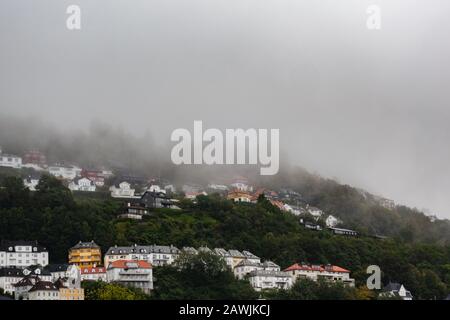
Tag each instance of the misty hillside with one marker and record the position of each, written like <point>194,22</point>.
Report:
<point>363,211</point>
<point>106,146</point>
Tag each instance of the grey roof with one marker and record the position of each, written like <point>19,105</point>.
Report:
<point>204,249</point>
<point>154,194</point>
<point>249,255</point>
<point>27,281</point>
<point>81,245</point>
<point>6,244</point>
<point>142,249</point>
<point>222,252</point>
<point>59,284</point>
<point>164,249</point>
<point>57,267</point>
<point>43,286</point>
<point>268,273</point>
<point>248,263</point>
<point>236,253</point>
<point>189,250</point>
<point>268,263</point>
<point>11,272</point>
<point>41,272</point>
<point>392,286</point>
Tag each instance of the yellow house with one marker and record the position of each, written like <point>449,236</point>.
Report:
<point>85,254</point>
<point>69,290</point>
<point>71,294</point>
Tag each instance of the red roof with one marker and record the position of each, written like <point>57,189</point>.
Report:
<point>319,268</point>
<point>92,270</point>
<point>124,264</point>
<point>339,269</point>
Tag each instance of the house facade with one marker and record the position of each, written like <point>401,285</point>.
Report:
<point>32,181</point>
<point>22,254</point>
<point>132,273</point>
<point>239,196</point>
<point>133,210</point>
<point>267,279</point>
<point>154,254</point>
<point>43,290</point>
<point>156,200</point>
<point>35,157</point>
<point>393,289</point>
<point>122,190</point>
<point>96,176</point>
<point>245,267</point>
<point>93,274</point>
<point>82,184</point>
<point>316,272</point>
<point>10,161</point>
<point>64,172</point>
<point>9,277</point>
<point>85,254</point>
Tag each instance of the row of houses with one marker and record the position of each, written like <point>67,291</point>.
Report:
<point>26,273</point>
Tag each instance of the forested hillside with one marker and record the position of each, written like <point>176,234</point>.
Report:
<point>52,216</point>
<point>360,210</point>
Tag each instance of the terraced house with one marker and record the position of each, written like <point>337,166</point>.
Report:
<point>85,254</point>
<point>154,254</point>
<point>22,254</point>
<point>316,272</point>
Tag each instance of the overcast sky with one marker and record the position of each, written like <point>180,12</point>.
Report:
<point>370,108</point>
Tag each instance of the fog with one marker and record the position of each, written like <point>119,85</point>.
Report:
<point>367,107</point>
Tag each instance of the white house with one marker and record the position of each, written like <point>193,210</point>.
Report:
<point>241,184</point>
<point>43,290</point>
<point>22,254</point>
<point>156,188</point>
<point>218,187</point>
<point>225,255</point>
<point>244,267</point>
<point>266,279</point>
<point>9,277</point>
<point>316,272</point>
<point>122,190</point>
<point>194,195</point>
<point>93,274</point>
<point>22,287</point>
<point>64,172</point>
<point>271,266</point>
<point>315,212</point>
<point>154,254</point>
<point>10,161</point>
<point>62,271</point>
<point>332,221</point>
<point>163,255</point>
<point>393,289</point>
<point>293,209</point>
<point>32,181</point>
<point>82,184</point>
<point>251,257</point>
<point>132,273</point>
